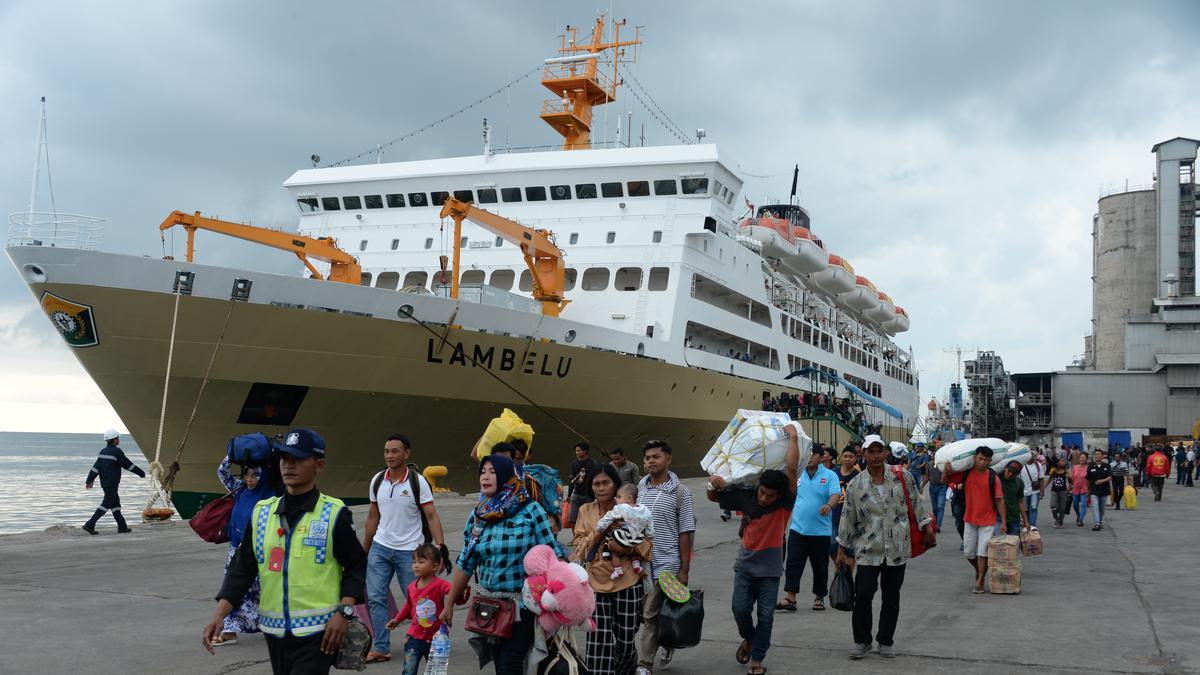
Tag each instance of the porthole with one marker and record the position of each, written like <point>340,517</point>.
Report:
<point>570,336</point>
<point>405,312</point>
<point>673,385</point>
<point>693,388</point>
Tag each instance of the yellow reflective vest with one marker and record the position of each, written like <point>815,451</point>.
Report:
<point>302,581</point>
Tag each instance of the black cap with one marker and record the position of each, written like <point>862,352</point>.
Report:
<point>303,443</point>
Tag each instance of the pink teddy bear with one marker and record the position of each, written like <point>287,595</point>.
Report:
<point>557,592</point>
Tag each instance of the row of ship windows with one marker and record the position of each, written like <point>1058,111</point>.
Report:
<point>852,353</point>
<point>610,238</point>
<point>593,279</point>
<point>533,193</point>
<point>866,385</point>
<point>897,374</point>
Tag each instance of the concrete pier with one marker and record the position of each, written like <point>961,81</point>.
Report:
<point>1116,601</point>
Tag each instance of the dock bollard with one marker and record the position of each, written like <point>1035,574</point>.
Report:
<point>432,473</point>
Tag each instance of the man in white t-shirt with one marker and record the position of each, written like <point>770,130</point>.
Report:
<point>1033,475</point>
<point>399,521</point>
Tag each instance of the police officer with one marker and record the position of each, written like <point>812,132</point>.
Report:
<point>108,467</point>
<point>310,566</point>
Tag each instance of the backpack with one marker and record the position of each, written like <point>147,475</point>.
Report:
<point>249,449</point>
<point>414,485</point>
<point>549,486</point>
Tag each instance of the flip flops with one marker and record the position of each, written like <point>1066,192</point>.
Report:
<point>376,657</point>
<point>221,642</point>
<point>743,653</point>
<point>786,605</point>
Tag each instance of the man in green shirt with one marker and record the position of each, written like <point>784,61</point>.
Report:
<point>1014,499</point>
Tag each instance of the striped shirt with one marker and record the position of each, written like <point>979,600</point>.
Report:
<point>674,513</point>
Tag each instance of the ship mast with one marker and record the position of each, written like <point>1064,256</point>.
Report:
<point>576,77</point>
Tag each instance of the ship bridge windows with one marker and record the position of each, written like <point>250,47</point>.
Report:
<point>595,279</point>
<point>535,193</point>
<point>438,198</point>
<point>486,195</point>
<point>526,282</point>
<point>388,280</point>
<point>472,277</point>
<point>585,191</point>
<point>395,201</point>
<point>502,279</point>
<point>574,238</point>
<point>352,203</point>
<point>415,279</point>
<point>464,195</point>
<point>695,186</point>
<point>715,341</point>
<point>656,236</point>
<point>428,242</point>
<point>611,190</point>
<point>510,194</point>
<point>570,275</point>
<point>362,245</point>
<point>417,199</point>
<point>373,201</point>
<point>665,187</point>
<point>560,192</point>
<point>628,279</point>
<point>330,204</point>
<point>722,297</point>
<point>307,204</point>
<point>638,188</point>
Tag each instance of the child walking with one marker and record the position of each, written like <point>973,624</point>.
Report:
<point>423,603</point>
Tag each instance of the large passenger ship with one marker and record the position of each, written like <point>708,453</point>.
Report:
<point>676,304</point>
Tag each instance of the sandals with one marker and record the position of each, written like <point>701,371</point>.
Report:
<point>979,590</point>
<point>743,652</point>
<point>760,670</point>
<point>220,641</point>
<point>818,605</point>
<point>377,657</point>
<point>786,605</point>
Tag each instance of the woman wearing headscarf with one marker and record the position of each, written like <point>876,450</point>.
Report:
<point>611,648</point>
<point>249,490</point>
<point>504,526</point>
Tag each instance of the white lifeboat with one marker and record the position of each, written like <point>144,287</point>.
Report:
<point>785,236</point>
<point>864,296</point>
<point>899,324</point>
<point>837,277</point>
<point>885,312</point>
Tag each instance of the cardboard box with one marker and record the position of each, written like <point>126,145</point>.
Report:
<point>1031,543</point>
<point>1003,548</point>
<point>1005,580</point>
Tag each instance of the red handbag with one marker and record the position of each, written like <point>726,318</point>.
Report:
<point>212,521</point>
<point>914,529</point>
<point>491,616</point>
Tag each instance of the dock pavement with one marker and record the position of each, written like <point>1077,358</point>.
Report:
<point>1120,600</point>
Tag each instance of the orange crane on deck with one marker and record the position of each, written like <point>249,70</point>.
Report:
<point>543,257</point>
<point>343,267</point>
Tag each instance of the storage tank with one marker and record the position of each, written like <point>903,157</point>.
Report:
<point>1126,270</point>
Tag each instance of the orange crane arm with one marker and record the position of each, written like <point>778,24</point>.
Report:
<point>342,266</point>
<point>543,257</point>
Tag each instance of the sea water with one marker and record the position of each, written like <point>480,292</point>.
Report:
<point>43,477</point>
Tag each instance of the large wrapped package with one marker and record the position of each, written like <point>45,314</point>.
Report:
<point>961,454</point>
<point>1005,579</point>
<point>1016,452</point>
<point>753,442</point>
<point>506,428</point>
<point>1002,550</point>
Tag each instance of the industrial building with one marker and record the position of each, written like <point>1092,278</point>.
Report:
<point>1140,373</point>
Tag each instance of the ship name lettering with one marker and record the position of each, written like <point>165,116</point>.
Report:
<point>486,358</point>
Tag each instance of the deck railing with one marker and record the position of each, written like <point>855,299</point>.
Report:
<point>60,230</point>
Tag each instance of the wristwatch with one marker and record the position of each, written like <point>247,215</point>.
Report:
<point>347,611</point>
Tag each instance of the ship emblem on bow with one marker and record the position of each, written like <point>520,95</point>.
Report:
<point>73,320</point>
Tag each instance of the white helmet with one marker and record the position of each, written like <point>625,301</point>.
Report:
<point>110,434</point>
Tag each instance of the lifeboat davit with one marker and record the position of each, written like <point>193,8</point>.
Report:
<point>787,238</point>
<point>899,324</point>
<point>884,312</point>
<point>837,277</point>
<point>864,296</point>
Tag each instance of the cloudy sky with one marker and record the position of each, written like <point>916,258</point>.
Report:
<point>953,151</point>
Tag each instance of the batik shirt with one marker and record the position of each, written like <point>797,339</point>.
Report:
<point>875,525</point>
<point>499,557</point>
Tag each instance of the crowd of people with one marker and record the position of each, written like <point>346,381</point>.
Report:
<point>865,510</point>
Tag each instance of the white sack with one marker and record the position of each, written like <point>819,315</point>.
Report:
<point>1018,452</point>
<point>961,454</point>
<point>753,442</point>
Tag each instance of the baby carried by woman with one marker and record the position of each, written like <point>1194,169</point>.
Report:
<point>628,524</point>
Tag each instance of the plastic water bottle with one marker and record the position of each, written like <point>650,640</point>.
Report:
<point>438,662</point>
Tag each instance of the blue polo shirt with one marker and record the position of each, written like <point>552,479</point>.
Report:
<point>813,492</point>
